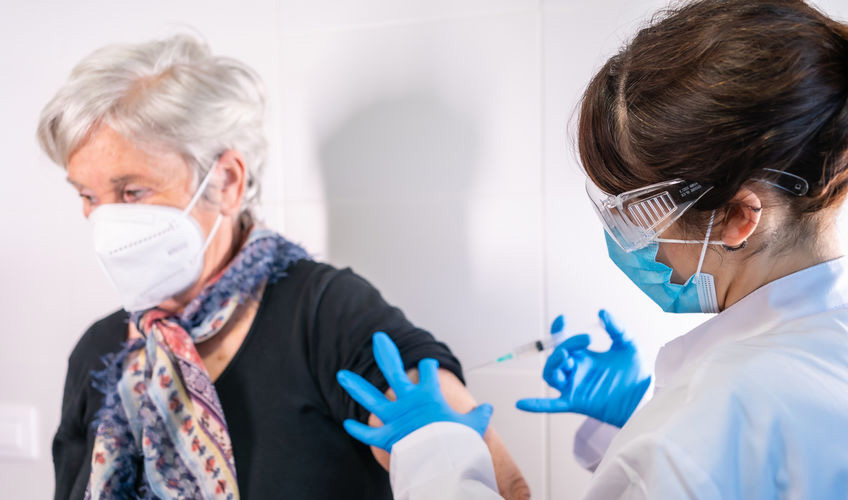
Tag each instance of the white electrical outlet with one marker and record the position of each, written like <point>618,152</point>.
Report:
<point>18,431</point>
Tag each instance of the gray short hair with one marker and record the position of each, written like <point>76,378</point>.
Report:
<point>170,93</point>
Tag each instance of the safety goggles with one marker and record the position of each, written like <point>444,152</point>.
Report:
<point>635,219</point>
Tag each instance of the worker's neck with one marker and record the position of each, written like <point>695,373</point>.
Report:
<point>758,269</point>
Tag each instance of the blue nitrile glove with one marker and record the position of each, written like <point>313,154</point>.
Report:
<point>416,406</point>
<point>603,385</point>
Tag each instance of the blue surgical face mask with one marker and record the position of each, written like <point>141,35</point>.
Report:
<point>654,278</point>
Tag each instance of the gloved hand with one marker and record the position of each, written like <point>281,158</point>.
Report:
<point>416,406</point>
<point>603,385</point>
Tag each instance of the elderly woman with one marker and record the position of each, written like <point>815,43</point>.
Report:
<point>716,150</point>
<point>217,380</point>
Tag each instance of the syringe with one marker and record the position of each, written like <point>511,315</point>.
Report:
<point>534,347</point>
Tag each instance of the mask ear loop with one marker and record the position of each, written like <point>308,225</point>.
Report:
<point>212,233</point>
<point>706,244</point>
<point>200,189</point>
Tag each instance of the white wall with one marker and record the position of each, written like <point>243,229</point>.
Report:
<point>422,143</point>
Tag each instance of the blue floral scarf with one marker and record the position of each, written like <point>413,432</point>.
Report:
<point>161,432</point>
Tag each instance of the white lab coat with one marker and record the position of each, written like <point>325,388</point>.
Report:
<point>752,404</point>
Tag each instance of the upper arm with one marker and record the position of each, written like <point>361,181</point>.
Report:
<point>511,482</point>
<point>349,311</point>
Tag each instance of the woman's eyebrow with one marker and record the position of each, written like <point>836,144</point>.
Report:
<point>120,180</point>
<point>124,179</point>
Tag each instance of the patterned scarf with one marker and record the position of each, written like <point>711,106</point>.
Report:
<point>161,431</point>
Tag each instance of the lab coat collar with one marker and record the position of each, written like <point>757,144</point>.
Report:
<point>816,289</point>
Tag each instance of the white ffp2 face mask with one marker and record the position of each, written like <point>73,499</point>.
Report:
<point>150,252</point>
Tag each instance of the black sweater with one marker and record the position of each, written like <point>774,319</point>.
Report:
<point>279,393</point>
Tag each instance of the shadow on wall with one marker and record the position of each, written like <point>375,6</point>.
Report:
<point>396,174</point>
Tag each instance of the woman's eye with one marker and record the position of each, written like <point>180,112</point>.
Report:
<point>131,195</point>
<point>87,197</point>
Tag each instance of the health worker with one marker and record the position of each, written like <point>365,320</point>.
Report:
<point>715,146</point>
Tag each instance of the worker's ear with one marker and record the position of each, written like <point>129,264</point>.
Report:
<point>742,218</point>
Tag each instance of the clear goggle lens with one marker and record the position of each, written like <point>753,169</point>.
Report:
<point>636,218</point>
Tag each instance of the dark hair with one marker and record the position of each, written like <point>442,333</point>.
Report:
<point>717,90</point>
